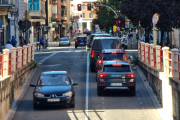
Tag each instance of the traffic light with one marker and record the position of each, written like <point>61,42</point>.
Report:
<point>35,32</point>
<point>79,7</point>
<point>89,7</point>
<point>118,22</point>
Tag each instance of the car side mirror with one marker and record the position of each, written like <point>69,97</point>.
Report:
<point>75,83</point>
<point>32,85</point>
<point>97,68</point>
<point>130,57</point>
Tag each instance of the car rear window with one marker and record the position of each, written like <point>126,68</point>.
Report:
<point>117,56</point>
<point>64,39</point>
<point>99,44</point>
<point>123,68</point>
<point>81,38</point>
<point>53,80</point>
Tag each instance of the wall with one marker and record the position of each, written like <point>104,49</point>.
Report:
<point>10,87</point>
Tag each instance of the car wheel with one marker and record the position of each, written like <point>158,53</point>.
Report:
<point>133,92</point>
<point>35,106</point>
<point>99,92</point>
<point>73,104</point>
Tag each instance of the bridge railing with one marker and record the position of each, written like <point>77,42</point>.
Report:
<point>162,59</point>
<point>18,57</point>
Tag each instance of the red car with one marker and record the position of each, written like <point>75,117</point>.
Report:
<point>112,54</point>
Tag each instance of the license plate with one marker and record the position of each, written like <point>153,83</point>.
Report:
<point>81,43</point>
<point>53,100</point>
<point>116,84</point>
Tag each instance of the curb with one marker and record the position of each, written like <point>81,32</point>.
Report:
<point>19,96</point>
<point>164,115</point>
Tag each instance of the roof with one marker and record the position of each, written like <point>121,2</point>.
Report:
<point>102,34</point>
<point>113,50</point>
<point>115,62</point>
<point>54,73</point>
<point>106,37</point>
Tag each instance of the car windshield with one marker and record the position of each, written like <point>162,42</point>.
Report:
<point>81,38</point>
<point>103,35</point>
<point>64,39</point>
<point>123,68</point>
<point>53,80</point>
<point>117,56</point>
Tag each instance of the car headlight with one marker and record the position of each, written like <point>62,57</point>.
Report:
<point>39,95</point>
<point>68,94</point>
<point>131,80</point>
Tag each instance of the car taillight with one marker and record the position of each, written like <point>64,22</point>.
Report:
<point>103,75</point>
<point>116,65</point>
<point>76,40</point>
<point>92,53</point>
<point>113,52</point>
<point>100,61</point>
<point>102,83</point>
<point>131,83</point>
<point>130,75</point>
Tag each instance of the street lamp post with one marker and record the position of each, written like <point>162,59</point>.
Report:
<point>14,11</point>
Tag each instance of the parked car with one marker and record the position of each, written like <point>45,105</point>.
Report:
<point>64,41</point>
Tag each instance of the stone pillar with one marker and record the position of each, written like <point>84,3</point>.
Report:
<point>151,54</point>
<point>19,57</point>
<point>174,62</point>
<point>25,55</point>
<point>139,44</point>
<point>33,48</point>
<point>157,47</point>
<point>146,52</point>
<point>29,52</point>
<point>5,62</point>
<point>165,62</point>
<point>13,57</point>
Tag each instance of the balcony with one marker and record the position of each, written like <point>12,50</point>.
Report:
<point>38,14</point>
<point>54,2</point>
<point>63,17</point>
<point>6,3</point>
<point>63,3</point>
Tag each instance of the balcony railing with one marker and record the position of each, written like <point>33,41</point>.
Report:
<point>54,1</point>
<point>63,3</point>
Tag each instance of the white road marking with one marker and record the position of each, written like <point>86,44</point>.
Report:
<point>50,65</point>
<point>41,61</point>
<point>87,86</point>
<point>104,113</point>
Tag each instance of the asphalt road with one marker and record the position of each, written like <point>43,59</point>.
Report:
<point>110,106</point>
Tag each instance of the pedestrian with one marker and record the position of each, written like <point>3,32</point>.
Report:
<point>42,41</point>
<point>25,42</point>
<point>13,41</point>
<point>8,46</point>
<point>21,41</point>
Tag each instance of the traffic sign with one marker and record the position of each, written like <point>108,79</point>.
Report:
<point>28,24</point>
<point>114,28</point>
<point>118,28</point>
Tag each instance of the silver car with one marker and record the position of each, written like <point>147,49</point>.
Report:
<point>115,75</point>
<point>64,41</point>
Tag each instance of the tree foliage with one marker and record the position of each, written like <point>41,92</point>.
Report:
<point>143,10</point>
<point>106,17</point>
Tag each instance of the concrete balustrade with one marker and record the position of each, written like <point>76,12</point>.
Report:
<point>29,52</point>
<point>25,55</point>
<point>13,61</point>
<point>151,55</point>
<point>20,57</point>
<point>157,48</point>
<point>142,52</point>
<point>175,62</point>
<point>146,52</point>
<point>5,62</point>
<point>165,57</point>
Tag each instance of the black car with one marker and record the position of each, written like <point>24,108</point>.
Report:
<point>54,88</point>
<point>99,44</point>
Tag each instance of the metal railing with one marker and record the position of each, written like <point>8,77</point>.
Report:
<point>1,64</point>
<point>169,60</point>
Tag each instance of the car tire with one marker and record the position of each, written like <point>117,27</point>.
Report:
<point>99,92</point>
<point>73,104</point>
<point>35,106</point>
<point>133,92</point>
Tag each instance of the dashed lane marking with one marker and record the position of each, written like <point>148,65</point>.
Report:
<point>41,61</point>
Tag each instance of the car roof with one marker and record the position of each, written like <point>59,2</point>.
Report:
<point>54,73</point>
<point>64,38</point>
<point>115,62</point>
<point>101,34</point>
<point>96,33</point>
<point>106,37</point>
<point>82,36</point>
<point>113,50</point>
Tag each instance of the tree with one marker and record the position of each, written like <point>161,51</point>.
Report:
<point>106,17</point>
<point>143,10</point>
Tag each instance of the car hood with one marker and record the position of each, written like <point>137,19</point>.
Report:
<point>53,89</point>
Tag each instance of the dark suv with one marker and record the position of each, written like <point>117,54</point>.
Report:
<point>95,35</point>
<point>115,75</point>
<point>80,41</point>
<point>99,44</point>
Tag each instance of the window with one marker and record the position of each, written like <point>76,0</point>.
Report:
<point>83,15</point>
<point>54,11</point>
<point>35,7</point>
<point>83,6</point>
<point>123,68</point>
<point>90,15</point>
<point>4,2</point>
